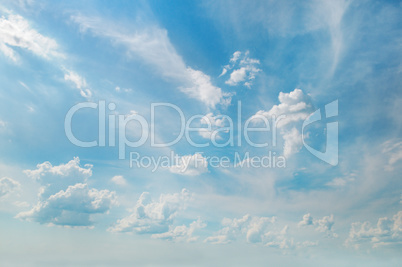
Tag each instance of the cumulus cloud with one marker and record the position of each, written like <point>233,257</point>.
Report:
<point>294,107</point>
<point>56,178</point>
<point>64,197</point>
<point>153,217</point>
<point>72,207</point>
<point>307,220</point>
<point>387,232</point>
<point>15,31</point>
<point>182,232</point>
<point>153,46</point>
<point>8,186</point>
<point>190,165</point>
<point>119,180</point>
<point>257,230</point>
<point>244,69</point>
<point>323,225</point>
<point>79,82</point>
<point>252,228</point>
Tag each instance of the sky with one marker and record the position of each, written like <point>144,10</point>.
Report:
<point>200,133</point>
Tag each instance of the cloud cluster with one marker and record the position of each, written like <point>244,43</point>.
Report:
<point>182,232</point>
<point>244,69</point>
<point>323,225</point>
<point>65,198</point>
<point>253,228</point>
<point>153,217</point>
<point>387,232</point>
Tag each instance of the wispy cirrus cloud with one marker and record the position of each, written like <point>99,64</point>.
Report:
<point>152,45</point>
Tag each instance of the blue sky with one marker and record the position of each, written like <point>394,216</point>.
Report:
<point>227,65</point>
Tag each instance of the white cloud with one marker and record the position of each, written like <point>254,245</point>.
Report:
<point>307,220</point>
<point>190,165</point>
<point>119,180</point>
<point>323,225</point>
<point>387,232</point>
<point>79,82</point>
<point>153,217</point>
<point>2,123</point>
<point>293,142</point>
<point>237,76</point>
<point>153,46</point>
<point>72,207</point>
<point>8,186</point>
<point>213,123</point>
<point>15,31</point>
<point>182,232</point>
<point>245,70</point>
<point>294,106</point>
<point>56,178</point>
<point>253,228</point>
<point>65,198</point>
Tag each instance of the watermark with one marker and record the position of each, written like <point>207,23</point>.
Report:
<point>183,164</point>
<point>199,131</point>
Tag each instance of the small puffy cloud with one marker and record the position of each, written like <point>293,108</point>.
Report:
<point>237,76</point>
<point>64,197</point>
<point>244,69</point>
<point>294,106</point>
<point>16,32</point>
<point>119,180</point>
<point>8,186</point>
<point>307,220</point>
<point>79,82</point>
<point>387,232</point>
<point>190,165</point>
<point>182,232</point>
<point>153,217</point>
<point>323,225</point>
<point>72,207</point>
